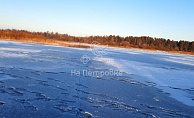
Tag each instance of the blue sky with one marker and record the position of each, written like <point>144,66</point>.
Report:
<point>173,19</point>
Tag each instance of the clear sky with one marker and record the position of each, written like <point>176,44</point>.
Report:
<point>173,19</point>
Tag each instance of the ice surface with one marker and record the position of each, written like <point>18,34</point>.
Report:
<point>37,80</point>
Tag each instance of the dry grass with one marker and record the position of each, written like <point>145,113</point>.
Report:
<point>54,42</point>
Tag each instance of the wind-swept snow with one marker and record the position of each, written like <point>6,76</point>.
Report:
<point>173,73</point>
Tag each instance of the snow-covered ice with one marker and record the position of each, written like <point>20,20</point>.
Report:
<point>173,73</point>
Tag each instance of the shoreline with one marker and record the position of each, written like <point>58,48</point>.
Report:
<point>54,42</point>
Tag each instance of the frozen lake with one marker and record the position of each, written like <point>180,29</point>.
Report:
<point>50,81</point>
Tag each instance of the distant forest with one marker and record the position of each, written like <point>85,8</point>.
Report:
<point>144,42</point>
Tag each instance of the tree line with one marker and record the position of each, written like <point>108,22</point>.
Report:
<point>144,42</point>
